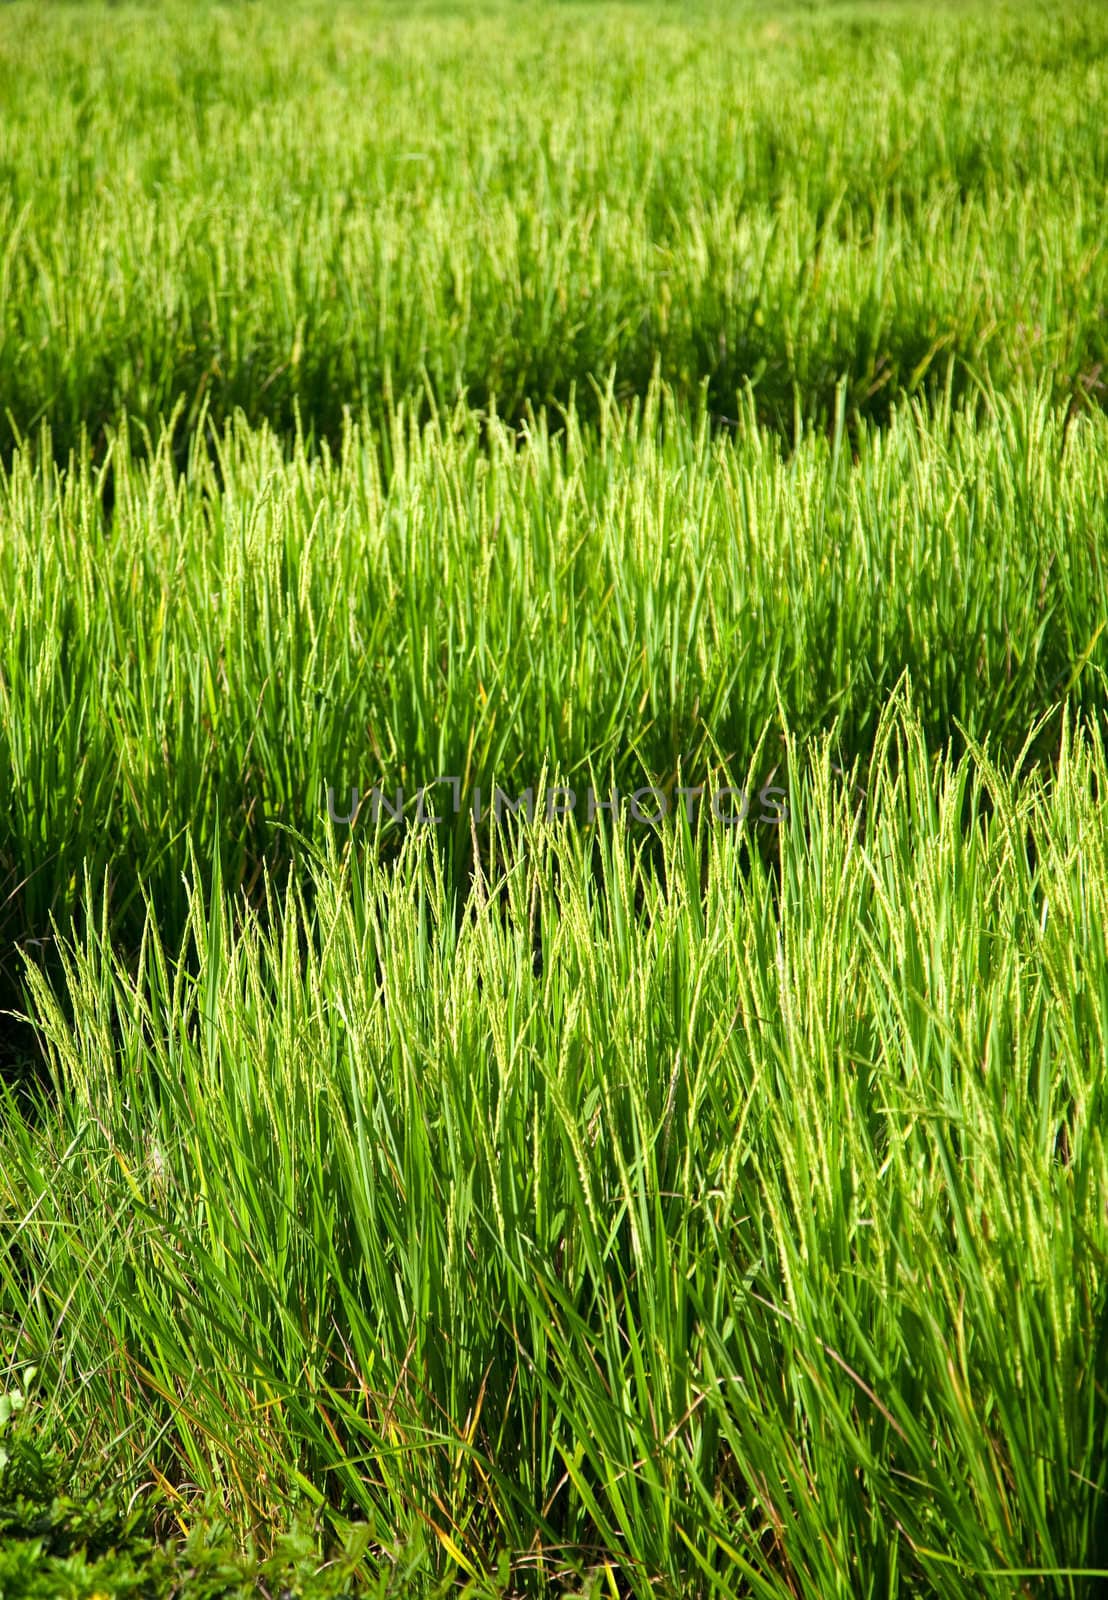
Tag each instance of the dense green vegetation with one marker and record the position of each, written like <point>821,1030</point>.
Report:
<point>757,1231</point>
<point>592,397</point>
<point>205,661</point>
<point>252,209</point>
<point>53,1547</point>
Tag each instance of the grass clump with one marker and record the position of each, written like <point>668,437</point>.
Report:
<point>779,1187</point>
<point>631,601</point>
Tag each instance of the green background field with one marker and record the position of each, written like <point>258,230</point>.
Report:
<point>309,205</point>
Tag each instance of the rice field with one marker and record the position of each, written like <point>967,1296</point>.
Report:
<point>553,765</point>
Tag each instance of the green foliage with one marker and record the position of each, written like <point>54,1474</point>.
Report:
<point>636,600</point>
<point>602,395</point>
<point>756,1238</point>
<point>309,207</point>
<point>54,1546</point>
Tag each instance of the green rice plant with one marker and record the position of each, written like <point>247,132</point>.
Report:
<point>304,208</point>
<point>517,401</point>
<point>632,599</point>
<point>753,1242</point>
